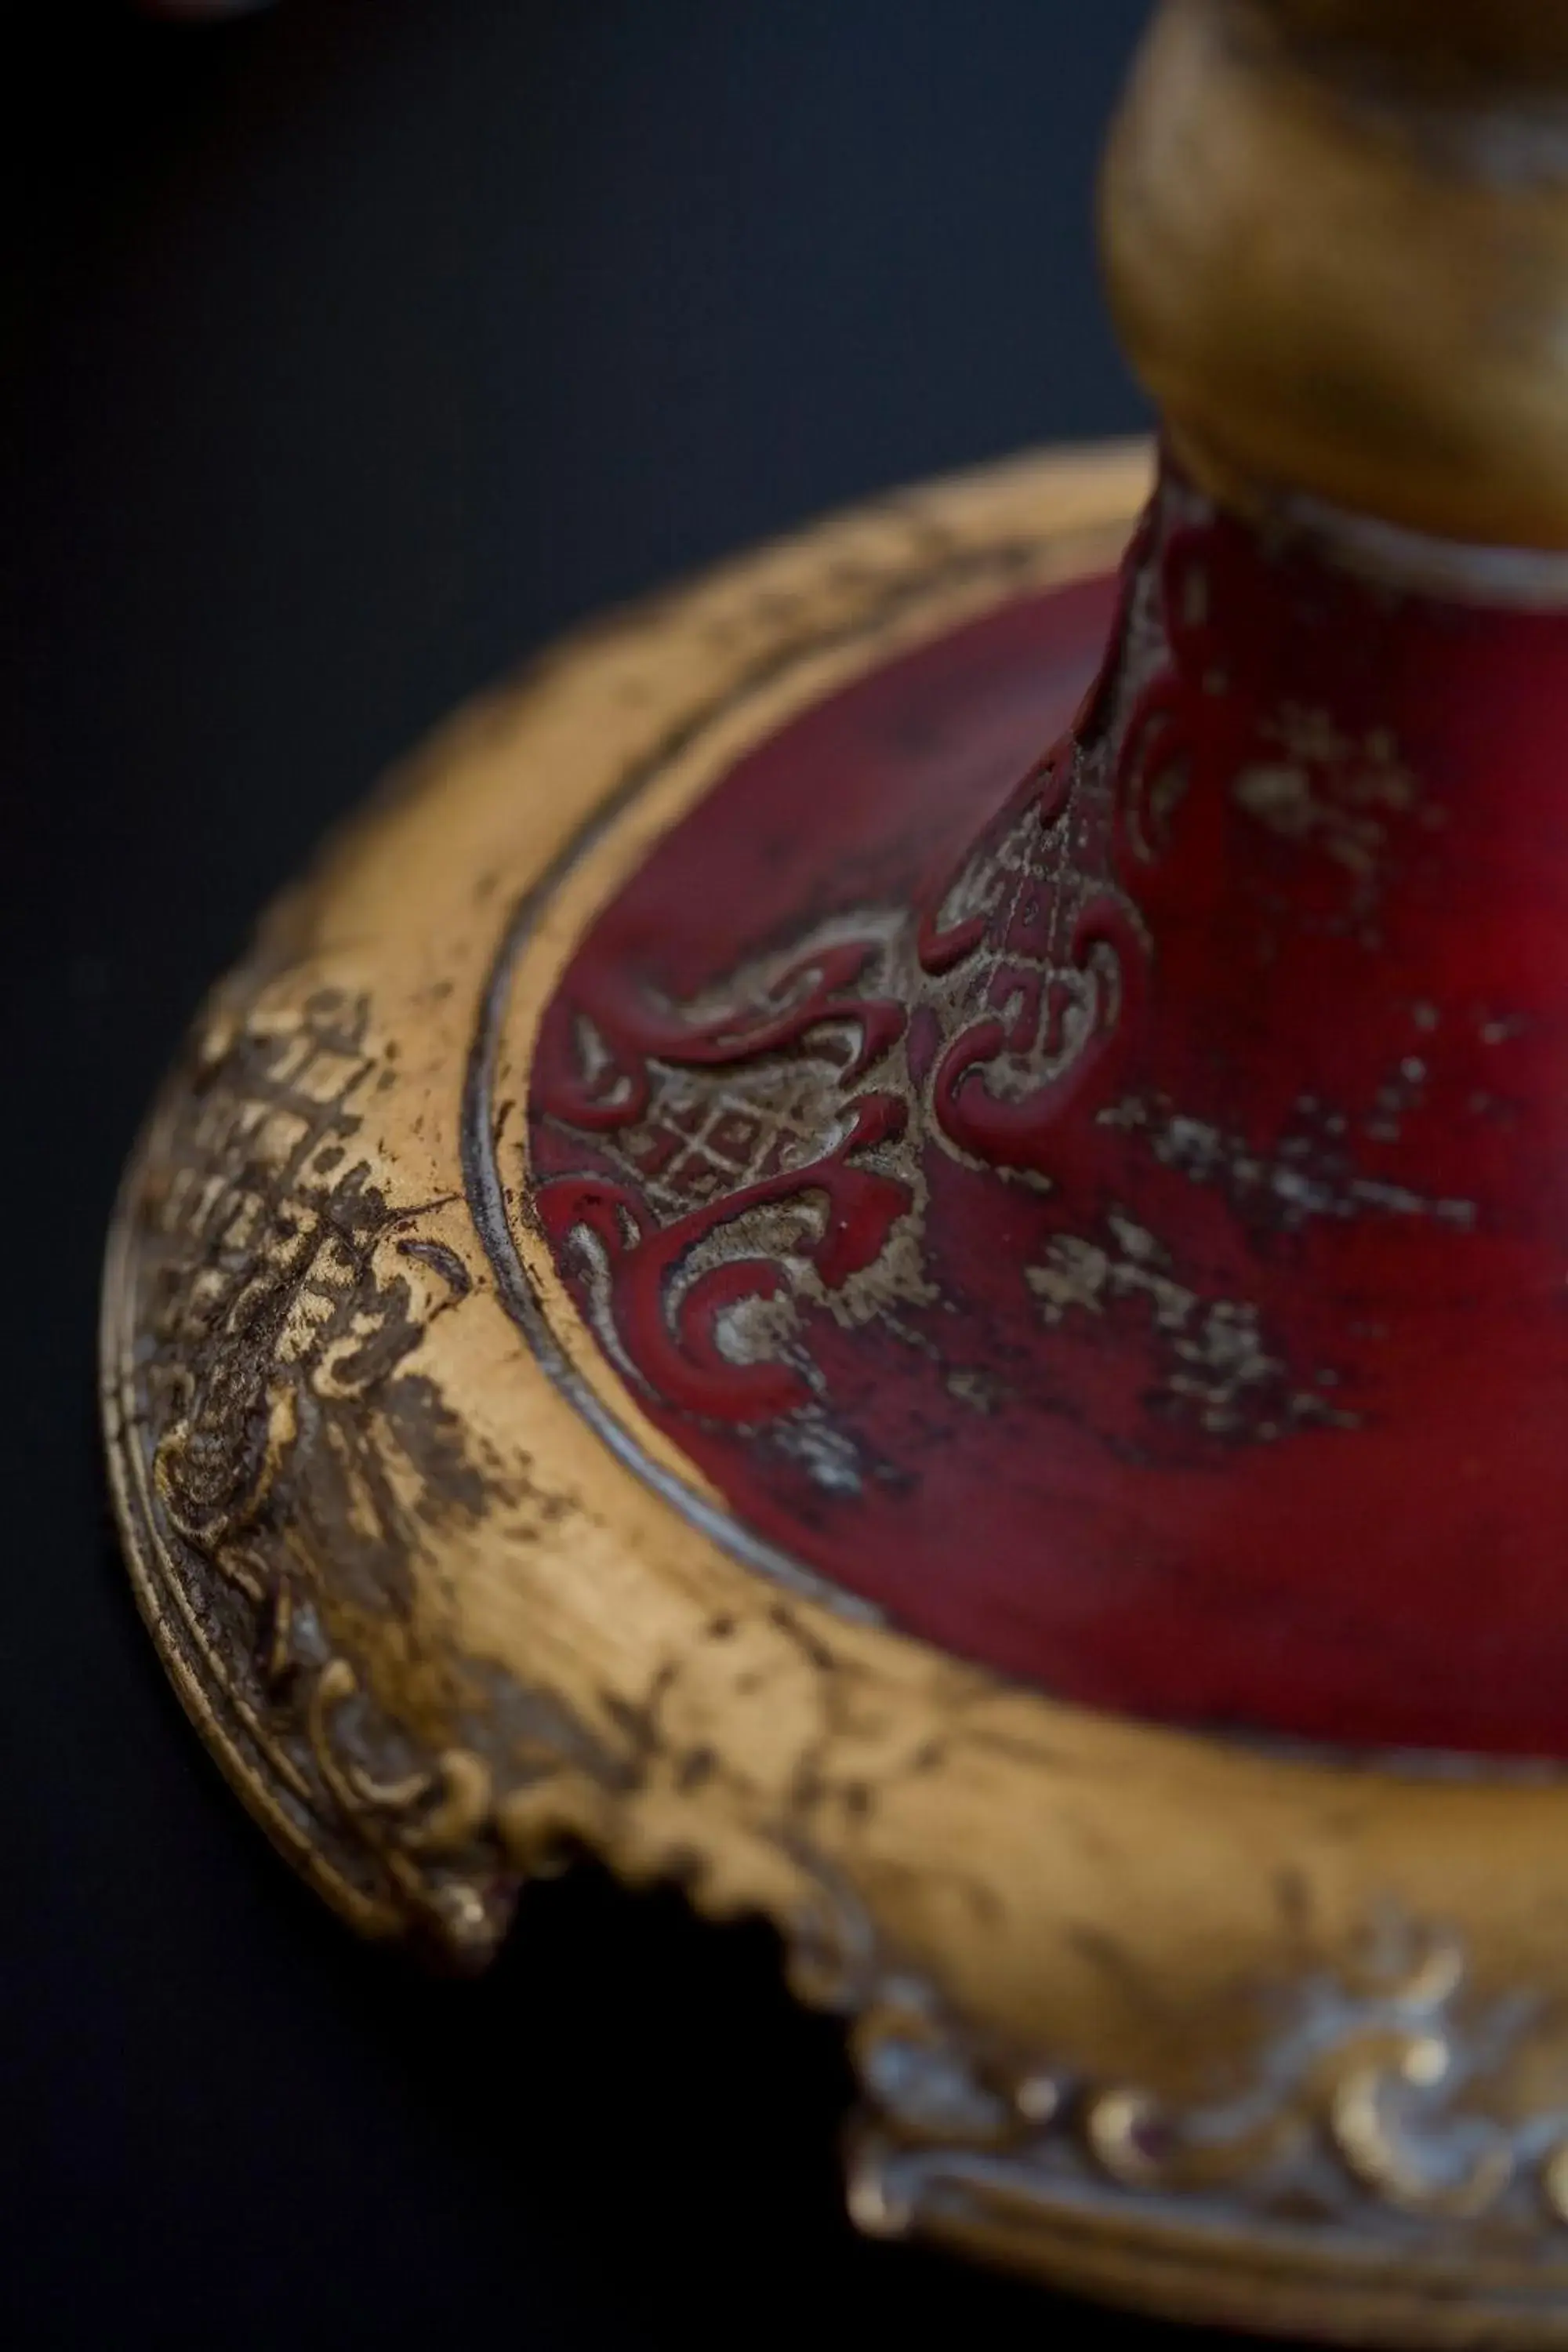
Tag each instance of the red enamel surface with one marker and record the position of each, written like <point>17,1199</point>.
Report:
<point>1233,1393</point>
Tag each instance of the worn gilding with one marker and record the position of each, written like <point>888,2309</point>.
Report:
<point>1261,2038</point>
<point>1336,244</point>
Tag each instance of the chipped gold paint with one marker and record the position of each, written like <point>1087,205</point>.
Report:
<point>1056,1929</point>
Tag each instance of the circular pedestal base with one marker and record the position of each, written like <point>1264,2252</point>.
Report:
<point>1277,2040</point>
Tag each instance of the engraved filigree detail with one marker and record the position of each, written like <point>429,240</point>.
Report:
<point>1365,2109</point>
<point>279,1418</point>
<point>435,1837</point>
<point>283,1296</point>
<point>764,1149</point>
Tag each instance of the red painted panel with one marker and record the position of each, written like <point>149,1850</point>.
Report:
<point>1118,1222</point>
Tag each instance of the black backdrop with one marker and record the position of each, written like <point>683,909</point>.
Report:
<point>353,348</point>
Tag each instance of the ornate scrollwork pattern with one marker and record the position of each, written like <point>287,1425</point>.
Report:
<point>281,1417</point>
<point>1365,2109</point>
<point>303,1499</point>
<point>765,1148</point>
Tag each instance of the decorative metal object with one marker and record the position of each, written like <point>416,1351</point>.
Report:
<point>975,1364</point>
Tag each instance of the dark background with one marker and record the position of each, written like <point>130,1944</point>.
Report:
<point>353,348</point>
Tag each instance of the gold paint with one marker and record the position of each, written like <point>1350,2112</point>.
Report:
<point>1335,234</point>
<point>1059,1928</point>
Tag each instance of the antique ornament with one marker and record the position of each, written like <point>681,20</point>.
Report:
<point>893,1241</point>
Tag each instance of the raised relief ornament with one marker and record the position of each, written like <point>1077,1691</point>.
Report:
<point>895,1239</point>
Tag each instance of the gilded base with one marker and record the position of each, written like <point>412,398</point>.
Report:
<point>1274,2041</point>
